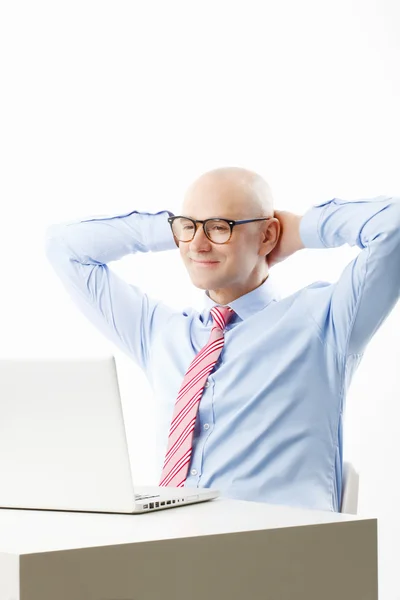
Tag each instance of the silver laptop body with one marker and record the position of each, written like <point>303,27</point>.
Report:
<point>63,443</point>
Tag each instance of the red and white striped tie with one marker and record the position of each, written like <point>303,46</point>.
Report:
<point>179,449</point>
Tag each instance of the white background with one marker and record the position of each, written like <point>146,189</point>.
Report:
<point>107,107</point>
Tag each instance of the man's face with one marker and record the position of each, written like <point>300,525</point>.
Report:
<point>226,270</point>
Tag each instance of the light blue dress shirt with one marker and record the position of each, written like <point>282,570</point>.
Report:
<point>269,425</point>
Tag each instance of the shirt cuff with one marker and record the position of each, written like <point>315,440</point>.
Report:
<point>309,227</point>
<point>160,234</point>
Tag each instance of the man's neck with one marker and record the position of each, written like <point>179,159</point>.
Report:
<point>232,299</point>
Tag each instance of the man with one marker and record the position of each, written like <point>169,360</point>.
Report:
<point>251,391</point>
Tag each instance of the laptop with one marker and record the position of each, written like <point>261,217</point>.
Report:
<point>63,443</point>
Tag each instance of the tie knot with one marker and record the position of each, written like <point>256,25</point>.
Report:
<point>222,315</point>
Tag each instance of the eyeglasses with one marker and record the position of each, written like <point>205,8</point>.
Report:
<point>218,231</point>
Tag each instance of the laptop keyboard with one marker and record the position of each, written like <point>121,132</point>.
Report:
<point>143,497</point>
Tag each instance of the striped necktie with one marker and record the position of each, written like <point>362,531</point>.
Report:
<point>179,449</point>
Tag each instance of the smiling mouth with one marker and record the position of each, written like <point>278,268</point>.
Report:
<point>205,262</point>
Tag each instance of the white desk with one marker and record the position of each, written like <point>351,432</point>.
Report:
<point>222,549</point>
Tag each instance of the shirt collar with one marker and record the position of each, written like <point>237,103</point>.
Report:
<point>248,304</point>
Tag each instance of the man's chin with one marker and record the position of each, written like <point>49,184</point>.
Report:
<point>203,283</point>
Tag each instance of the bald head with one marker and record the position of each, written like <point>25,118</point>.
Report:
<point>230,269</point>
<point>241,193</point>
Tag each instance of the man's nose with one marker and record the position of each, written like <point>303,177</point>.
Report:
<point>200,239</point>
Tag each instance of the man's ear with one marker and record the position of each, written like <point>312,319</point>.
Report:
<point>272,233</point>
<point>275,230</point>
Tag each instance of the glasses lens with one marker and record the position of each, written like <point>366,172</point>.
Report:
<point>183,229</point>
<point>218,231</point>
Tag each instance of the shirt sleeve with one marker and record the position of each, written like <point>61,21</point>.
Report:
<point>79,252</point>
<point>369,287</point>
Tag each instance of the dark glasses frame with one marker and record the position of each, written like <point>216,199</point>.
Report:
<point>230,222</point>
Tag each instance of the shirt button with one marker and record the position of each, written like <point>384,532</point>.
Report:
<point>207,384</point>
<point>193,471</point>
<point>206,426</point>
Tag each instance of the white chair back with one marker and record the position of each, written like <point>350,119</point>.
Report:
<point>350,486</point>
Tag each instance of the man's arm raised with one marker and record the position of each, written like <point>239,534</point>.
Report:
<point>369,287</point>
<point>79,252</point>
